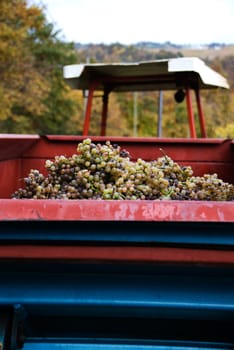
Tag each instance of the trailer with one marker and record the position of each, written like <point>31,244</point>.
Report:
<point>115,274</point>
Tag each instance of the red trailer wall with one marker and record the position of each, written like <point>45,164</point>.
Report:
<point>19,154</point>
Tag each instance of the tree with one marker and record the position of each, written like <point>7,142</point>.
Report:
<point>33,94</point>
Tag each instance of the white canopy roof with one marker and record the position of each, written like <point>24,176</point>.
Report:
<point>164,74</point>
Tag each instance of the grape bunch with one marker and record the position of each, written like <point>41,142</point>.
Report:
<point>105,171</point>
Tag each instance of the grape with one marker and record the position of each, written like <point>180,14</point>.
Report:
<point>104,171</point>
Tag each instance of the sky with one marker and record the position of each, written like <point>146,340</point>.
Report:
<point>130,21</point>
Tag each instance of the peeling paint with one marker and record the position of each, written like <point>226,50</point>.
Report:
<point>159,211</point>
<point>111,210</point>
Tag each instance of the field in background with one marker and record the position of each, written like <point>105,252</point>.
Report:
<point>205,53</point>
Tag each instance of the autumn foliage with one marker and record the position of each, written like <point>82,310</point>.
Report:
<point>33,95</point>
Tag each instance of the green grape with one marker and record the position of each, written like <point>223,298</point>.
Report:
<point>104,171</point>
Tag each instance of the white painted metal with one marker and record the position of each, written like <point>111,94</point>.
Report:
<point>165,74</point>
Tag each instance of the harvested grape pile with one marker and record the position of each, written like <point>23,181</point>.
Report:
<point>107,172</point>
